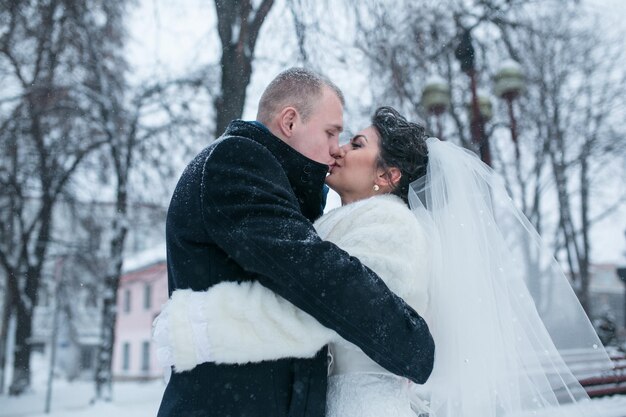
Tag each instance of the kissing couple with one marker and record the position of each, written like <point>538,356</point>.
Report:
<point>412,298</point>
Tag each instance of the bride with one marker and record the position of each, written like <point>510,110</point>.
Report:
<point>438,227</point>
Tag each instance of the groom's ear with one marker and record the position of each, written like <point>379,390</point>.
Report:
<point>287,120</point>
<point>389,177</point>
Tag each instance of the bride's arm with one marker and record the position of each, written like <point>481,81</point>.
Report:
<point>388,238</point>
<point>234,323</point>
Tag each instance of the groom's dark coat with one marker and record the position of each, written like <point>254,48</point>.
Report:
<point>242,210</point>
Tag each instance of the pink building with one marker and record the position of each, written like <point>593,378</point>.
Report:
<point>142,292</point>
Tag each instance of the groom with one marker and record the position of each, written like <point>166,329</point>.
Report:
<point>242,211</point>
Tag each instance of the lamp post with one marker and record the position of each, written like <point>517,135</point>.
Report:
<point>465,54</point>
<point>508,85</point>
<point>621,273</point>
<point>436,99</point>
<point>485,107</point>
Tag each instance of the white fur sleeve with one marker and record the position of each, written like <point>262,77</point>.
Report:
<point>236,323</point>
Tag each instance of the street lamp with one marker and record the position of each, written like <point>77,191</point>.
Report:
<point>485,107</point>
<point>465,54</point>
<point>508,85</point>
<point>436,99</point>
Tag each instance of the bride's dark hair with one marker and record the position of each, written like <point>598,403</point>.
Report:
<point>402,146</point>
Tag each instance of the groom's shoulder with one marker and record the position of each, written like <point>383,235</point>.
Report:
<point>226,154</point>
<point>236,150</point>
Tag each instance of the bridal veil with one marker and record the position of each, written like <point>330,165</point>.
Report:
<point>507,325</point>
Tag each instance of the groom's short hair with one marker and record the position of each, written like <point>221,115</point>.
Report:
<point>296,87</point>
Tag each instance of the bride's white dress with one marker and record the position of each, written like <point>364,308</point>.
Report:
<point>386,237</point>
<point>357,386</point>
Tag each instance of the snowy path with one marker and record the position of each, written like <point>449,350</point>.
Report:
<point>131,399</point>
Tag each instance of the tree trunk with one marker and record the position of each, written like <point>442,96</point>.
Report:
<point>236,71</point>
<point>4,333</point>
<point>585,225</point>
<point>576,258</point>
<point>21,353</point>
<point>31,259</point>
<point>104,361</point>
<point>26,300</point>
<point>24,305</point>
<point>238,26</point>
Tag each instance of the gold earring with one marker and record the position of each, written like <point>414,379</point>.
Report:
<point>376,187</point>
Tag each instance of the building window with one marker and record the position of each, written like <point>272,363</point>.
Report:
<point>126,301</point>
<point>147,297</point>
<point>145,356</point>
<point>126,356</point>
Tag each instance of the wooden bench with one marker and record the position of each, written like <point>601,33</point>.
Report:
<point>591,372</point>
<point>609,383</point>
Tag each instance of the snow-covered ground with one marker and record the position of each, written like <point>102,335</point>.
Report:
<point>142,399</point>
<point>130,399</point>
<point>72,399</point>
<point>135,399</point>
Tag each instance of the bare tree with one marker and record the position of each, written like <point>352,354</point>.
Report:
<point>107,89</point>
<point>68,97</point>
<point>238,24</point>
<point>569,113</point>
<point>45,126</point>
<point>575,93</point>
<point>131,119</point>
<point>127,139</point>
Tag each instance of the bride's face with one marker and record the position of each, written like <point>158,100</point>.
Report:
<point>355,170</point>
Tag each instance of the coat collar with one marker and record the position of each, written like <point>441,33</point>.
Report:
<point>305,176</point>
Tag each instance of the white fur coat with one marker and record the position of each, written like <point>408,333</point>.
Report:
<point>246,322</point>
